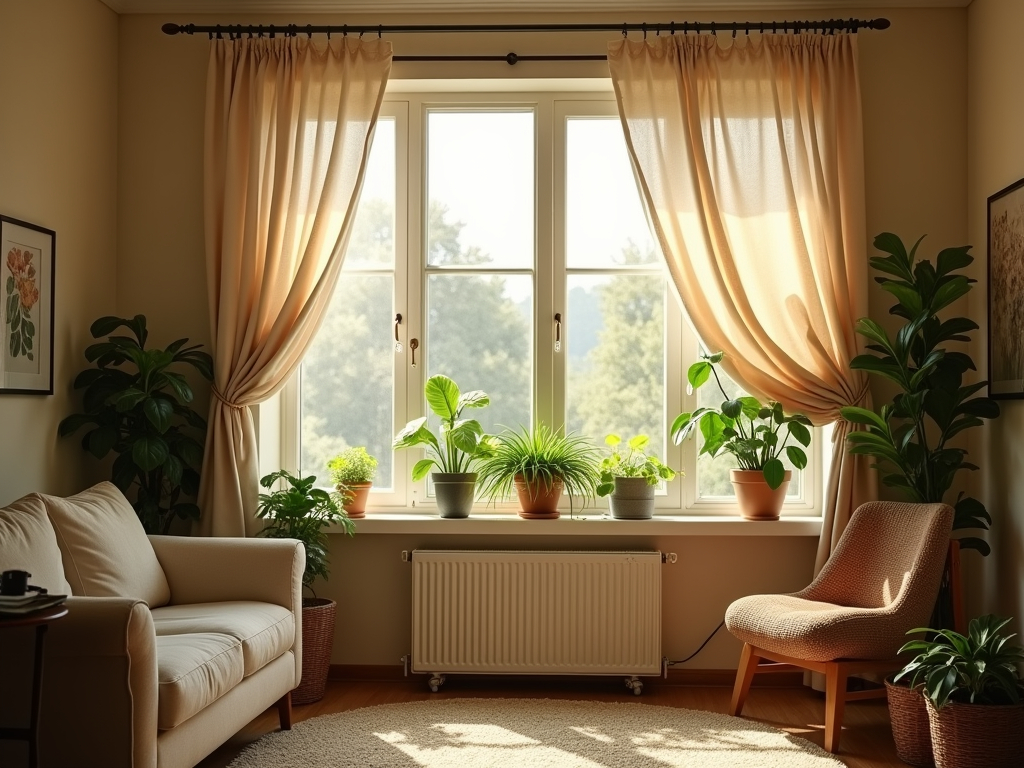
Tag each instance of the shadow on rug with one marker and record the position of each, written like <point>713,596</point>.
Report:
<point>530,733</point>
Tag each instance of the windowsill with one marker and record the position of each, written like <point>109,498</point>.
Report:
<point>591,524</point>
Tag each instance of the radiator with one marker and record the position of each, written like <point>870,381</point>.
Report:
<point>538,613</point>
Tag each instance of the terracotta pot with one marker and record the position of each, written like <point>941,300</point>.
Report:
<point>537,499</point>
<point>318,614</point>
<point>976,735</point>
<point>756,500</point>
<point>454,492</point>
<point>360,492</point>
<point>632,499</point>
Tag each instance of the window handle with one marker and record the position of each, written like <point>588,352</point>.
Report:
<point>558,331</point>
<point>414,344</point>
<point>398,342</point>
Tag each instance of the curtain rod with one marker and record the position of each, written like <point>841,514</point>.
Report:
<point>670,27</point>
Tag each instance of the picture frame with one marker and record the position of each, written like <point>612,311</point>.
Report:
<point>27,281</point>
<point>1006,293</point>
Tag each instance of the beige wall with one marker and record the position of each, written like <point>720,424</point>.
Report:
<point>996,159</point>
<point>914,89</point>
<point>58,164</point>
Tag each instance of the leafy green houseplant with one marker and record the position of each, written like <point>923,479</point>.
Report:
<point>137,406</point>
<point>352,472</point>
<point>461,445</point>
<point>979,668</point>
<point>911,436</point>
<point>629,475</point>
<point>300,510</point>
<point>973,692</point>
<point>757,435</point>
<point>539,466</point>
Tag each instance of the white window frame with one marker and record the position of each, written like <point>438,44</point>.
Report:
<point>551,110</point>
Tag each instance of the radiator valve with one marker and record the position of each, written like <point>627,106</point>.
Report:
<point>669,557</point>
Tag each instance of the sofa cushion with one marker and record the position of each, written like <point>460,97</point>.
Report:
<point>193,671</point>
<point>265,631</point>
<point>104,546</point>
<point>27,543</point>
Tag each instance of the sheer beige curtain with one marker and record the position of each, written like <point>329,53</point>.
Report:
<point>750,162</point>
<point>288,131</point>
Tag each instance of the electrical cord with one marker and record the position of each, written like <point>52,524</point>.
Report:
<point>683,661</point>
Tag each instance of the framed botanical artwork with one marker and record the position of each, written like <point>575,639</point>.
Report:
<point>27,282</point>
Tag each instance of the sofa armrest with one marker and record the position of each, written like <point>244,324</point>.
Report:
<point>214,570</point>
<point>100,686</point>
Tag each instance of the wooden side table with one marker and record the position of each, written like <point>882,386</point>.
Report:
<point>40,620</point>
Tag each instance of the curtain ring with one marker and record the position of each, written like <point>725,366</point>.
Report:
<point>672,27</point>
<point>380,30</point>
<point>344,30</point>
<point>624,33</point>
<point>309,31</point>
<point>644,25</point>
<point>713,32</point>
<point>734,30</point>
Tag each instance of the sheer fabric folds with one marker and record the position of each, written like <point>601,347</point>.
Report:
<point>750,162</point>
<point>288,132</point>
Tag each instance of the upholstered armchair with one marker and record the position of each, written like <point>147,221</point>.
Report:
<point>880,582</point>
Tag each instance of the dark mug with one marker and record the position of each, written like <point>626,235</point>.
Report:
<point>14,583</point>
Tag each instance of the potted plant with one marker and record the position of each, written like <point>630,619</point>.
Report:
<point>972,689</point>
<point>910,436</point>
<point>136,404</point>
<point>539,466</point>
<point>302,511</point>
<point>462,444</point>
<point>629,478</point>
<point>352,472</point>
<point>755,434</point>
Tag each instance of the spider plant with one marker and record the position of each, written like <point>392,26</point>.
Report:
<point>541,457</point>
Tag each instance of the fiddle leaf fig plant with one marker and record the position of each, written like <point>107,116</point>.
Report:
<point>755,434</point>
<point>911,436</point>
<point>138,407</point>
<point>462,442</point>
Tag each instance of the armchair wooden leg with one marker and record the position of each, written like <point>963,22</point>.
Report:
<point>744,676</point>
<point>284,711</point>
<point>835,702</point>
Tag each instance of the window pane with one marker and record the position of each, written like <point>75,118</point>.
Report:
<point>605,221</point>
<point>348,378</point>
<point>480,188</point>
<point>713,474</point>
<point>372,242</point>
<point>615,347</point>
<point>479,332</point>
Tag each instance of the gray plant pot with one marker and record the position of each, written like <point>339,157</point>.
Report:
<point>632,499</point>
<point>454,492</point>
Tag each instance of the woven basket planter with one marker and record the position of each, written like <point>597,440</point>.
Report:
<point>317,640</point>
<point>910,728</point>
<point>977,735</point>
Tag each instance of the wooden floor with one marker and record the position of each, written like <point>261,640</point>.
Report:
<point>866,740</point>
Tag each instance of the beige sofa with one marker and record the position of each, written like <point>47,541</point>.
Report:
<point>171,644</point>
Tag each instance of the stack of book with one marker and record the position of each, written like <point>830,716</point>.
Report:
<point>30,602</point>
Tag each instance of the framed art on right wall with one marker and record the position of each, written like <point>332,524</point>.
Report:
<point>1006,292</point>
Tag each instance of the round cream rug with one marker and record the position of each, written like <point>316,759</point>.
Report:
<point>530,733</point>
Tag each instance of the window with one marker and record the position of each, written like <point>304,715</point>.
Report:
<point>484,217</point>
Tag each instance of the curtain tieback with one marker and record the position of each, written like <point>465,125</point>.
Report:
<point>864,390</point>
<point>228,403</point>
